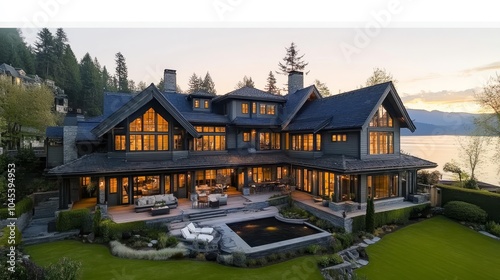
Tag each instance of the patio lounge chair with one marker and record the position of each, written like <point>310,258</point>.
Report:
<point>195,237</point>
<point>205,230</point>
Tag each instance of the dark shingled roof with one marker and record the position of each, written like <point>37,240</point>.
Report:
<point>294,101</point>
<point>99,163</point>
<point>202,94</point>
<point>54,132</point>
<point>9,70</point>
<point>205,117</point>
<point>249,93</point>
<point>313,125</point>
<point>346,110</point>
<point>256,121</point>
<point>84,131</point>
<point>114,101</point>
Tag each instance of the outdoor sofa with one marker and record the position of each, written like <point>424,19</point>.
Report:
<point>204,230</point>
<point>189,236</point>
<point>222,198</point>
<point>145,203</point>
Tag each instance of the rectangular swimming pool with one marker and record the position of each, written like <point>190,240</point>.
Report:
<point>269,230</point>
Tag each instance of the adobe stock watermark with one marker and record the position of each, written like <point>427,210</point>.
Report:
<point>12,220</point>
<point>48,9</point>
<point>222,7</point>
<point>363,37</point>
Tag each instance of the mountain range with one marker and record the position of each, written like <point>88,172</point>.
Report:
<point>441,123</point>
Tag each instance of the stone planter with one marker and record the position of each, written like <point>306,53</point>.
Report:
<point>325,203</point>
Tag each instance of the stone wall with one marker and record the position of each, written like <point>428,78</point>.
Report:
<point>44,196</point>
<point>69,143</point>
<point>337,221</point>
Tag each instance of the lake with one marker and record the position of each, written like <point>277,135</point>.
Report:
<point>443,148</point>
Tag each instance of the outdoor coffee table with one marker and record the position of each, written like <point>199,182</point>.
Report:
<point>160,211</point>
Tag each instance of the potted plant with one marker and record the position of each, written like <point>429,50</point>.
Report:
<point>91,188</point>
<point>326,200</point>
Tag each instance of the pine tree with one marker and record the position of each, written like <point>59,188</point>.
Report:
<point>45,54</point>
<point>161,84</point>
<point>322,88</point>
<point>208,85</point>
<point>271,84</point>
<point>14,51</point>
<point>247,82</point>
<point>292,61</point>
<point>370,216</point>
<point>92,92</point>
<point>195,83</point>
<point>121,73</point>
<point>70,79</point>
<point>107,80</point>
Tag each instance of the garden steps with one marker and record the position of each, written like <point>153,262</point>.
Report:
<point>207,215</point>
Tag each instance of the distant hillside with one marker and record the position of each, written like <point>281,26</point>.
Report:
<point>440,123</point>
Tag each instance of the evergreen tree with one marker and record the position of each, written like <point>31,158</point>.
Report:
<point>131,86</point>
<point>60,44</point>
<point>141,86</point>
<point>271,84</point>
<point>92,92</point>
<point>178,89</point>
<point>14,51</point>
<point>121,73</point>
<point>322,88</point>
<point>247,82</point>
<point>379,76</point>
<point>292,61</point>
<point>370,216</point>
<point>208,85</point>
<point>107,80</point>
<point>161,84</point>
<point>45,54</point>
<point>70,79</point>
<point>195,83</point>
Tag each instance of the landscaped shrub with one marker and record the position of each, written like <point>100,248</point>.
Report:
<point>122,251</point>
<point>239,259</point>
<point>493,228</point>
<point>23,206</point>
<point>313,249</point>
<point>370,216</point>
<point>225,259</point>
<point>330,260</point>
<point>112,231</point>
<point>72,219</point>
<point>64,269</point>
<point>488,201</point>
<point>464,211</point>
<point>294,213</point>
<point>397,216</point>
<point>346,239</point>
<point>96,220</point>
<point>4,240</point>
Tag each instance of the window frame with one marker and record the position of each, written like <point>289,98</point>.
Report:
<point>244,108</point>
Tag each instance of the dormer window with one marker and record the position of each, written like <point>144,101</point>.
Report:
<point>381,118</point>
<point>196,103</point>
<point>244,108</point>
<point>205,104</point>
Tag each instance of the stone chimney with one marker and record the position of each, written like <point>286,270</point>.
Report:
<point>169,80</point>
<point>295,81</point>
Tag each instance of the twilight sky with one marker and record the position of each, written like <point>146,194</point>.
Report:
<point>439,61</point>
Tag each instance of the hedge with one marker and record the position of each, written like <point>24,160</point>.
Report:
<point>397,216</point>
<point>112,231</point>
<point>464,211</point>
<point>487,201</point>
<point>4,240</point>
<point>25,205</point>
<point>72,219</point>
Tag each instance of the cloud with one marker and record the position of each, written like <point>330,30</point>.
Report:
<point>491,66</point>
<point>444,96</point>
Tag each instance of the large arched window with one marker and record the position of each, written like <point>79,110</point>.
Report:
<point>148,132</point>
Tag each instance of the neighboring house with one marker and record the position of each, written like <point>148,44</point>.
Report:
<point>346,146</point>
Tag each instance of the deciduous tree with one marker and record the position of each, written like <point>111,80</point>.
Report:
<point>453,167</point>
<point>322,88</point>
<point>379,76</point>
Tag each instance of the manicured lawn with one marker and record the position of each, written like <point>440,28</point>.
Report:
<point>98,263</point>
<point>437,248</point>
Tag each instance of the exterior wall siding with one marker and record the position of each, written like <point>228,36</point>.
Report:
<point>349,148</point>
<point>55,156</point>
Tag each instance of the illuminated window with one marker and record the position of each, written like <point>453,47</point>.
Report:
<point>381,118</point>
<point>162,124</point>
<point>269,141</point>
<point>271,109</point>
<point>382,186</point>
<point>213,139</point>
<point>244,108</point>
<point>120,143</point>
<point>339,137</point>
<point>149,120</point>
<point>196,103</point>
<point>135,142</point>
<point>381,143</point>
<point>149,142</point>
<point>113,185</point>
<point>305,142</point>
<point>318,142</point>
<point>262,109</point>
<point>254,107</point>
<point>246,136</point>
<point>84,181</point>
<point>136,125</point>
<point>162,142</point>
<point>205,104</point>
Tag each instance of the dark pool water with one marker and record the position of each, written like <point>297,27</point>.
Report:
<point>269,230</point>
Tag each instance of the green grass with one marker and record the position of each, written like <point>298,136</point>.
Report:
<point>437,248</point>
<point>98,263</point>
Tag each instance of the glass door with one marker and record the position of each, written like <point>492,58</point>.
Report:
<point>125,191</point>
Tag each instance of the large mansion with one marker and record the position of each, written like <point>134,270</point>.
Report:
<point>345,146</point>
